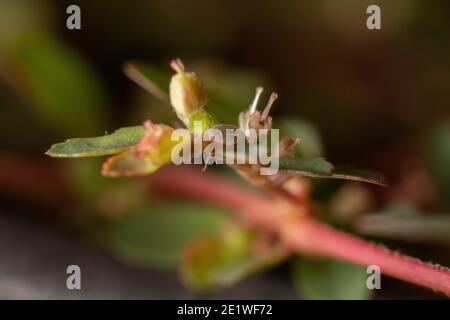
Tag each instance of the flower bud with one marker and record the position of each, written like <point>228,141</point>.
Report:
<point>187,94</point>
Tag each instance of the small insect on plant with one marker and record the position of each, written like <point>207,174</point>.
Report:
<point>271,225</point>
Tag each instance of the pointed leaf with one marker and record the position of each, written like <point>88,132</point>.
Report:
<point>348,173</point>
<point>120,140</point>
<point>306,166</point>
<point>402,221</point>
<point>320,168</point>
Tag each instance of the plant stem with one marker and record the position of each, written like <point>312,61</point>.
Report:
<point>314,237</point>
<point>304,234</point>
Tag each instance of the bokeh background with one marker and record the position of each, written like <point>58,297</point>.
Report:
<point>374,99</point>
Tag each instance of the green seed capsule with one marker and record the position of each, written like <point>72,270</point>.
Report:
<point>187,94</point>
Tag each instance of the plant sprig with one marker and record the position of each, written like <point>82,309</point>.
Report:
<point>188,98</point>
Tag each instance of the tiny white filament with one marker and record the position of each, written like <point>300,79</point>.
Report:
<point>254,104</point>
<point>266,111</point>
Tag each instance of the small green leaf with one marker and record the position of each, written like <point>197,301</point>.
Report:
<point>402,221</point>
<point>156,235</point>
<point>348,173</point>
<point>306,166</point>
<point>226,258</point>
<point>126,164</point>
<point>327,279</point>
<point>120,140</point>
<point>320,168</point>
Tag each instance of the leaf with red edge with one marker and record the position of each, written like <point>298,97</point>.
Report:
<point>128,164</point>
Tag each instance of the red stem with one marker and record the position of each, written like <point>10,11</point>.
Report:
<point>300,232</point>
<point>318,238</point>
<point>304,234</point>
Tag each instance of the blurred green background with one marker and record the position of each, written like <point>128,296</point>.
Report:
<point>376,99</point>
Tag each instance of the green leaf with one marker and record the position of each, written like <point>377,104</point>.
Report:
<point>150,78</point>
<point>155,235</point>
<point>311,142</point>
<point>402,221</point>
<point>62,86</point>
<point>348,173</point>
<point>226,258</point>
<point>116,142</point>
<point>306,166</point>
<point>320,168</point>
<point>327,279</point>
<point>126,164</point>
